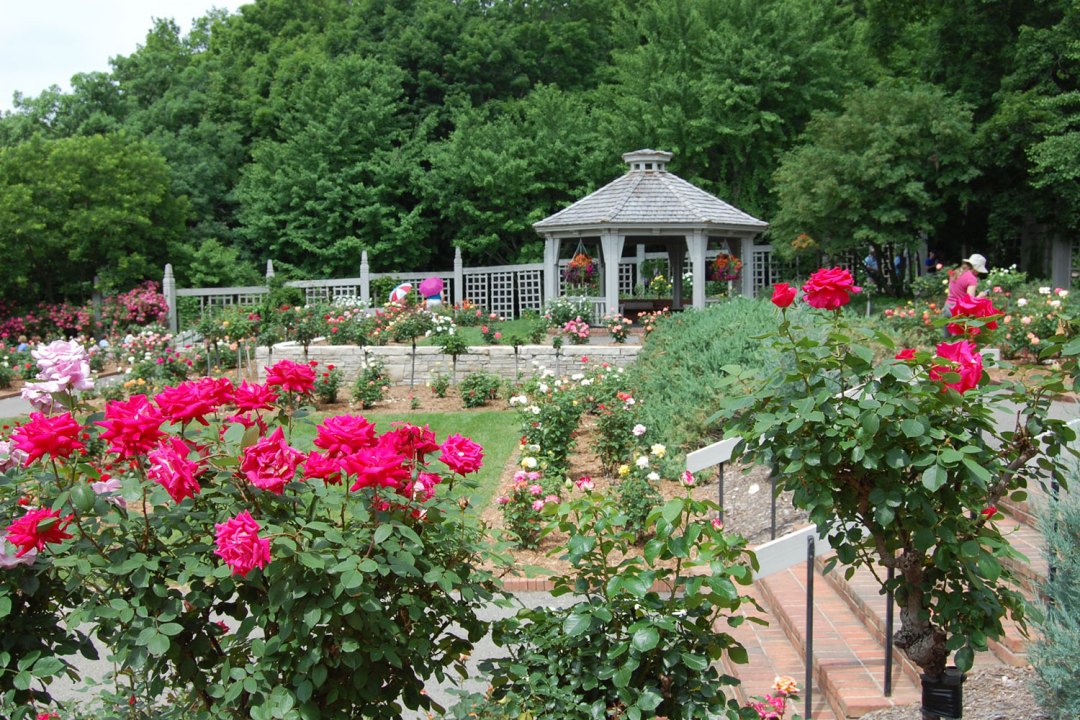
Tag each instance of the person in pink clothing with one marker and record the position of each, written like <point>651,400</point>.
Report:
<point>965,280</point>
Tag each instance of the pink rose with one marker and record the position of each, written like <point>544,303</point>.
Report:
<point>169,467</point>
<point>132,426</point>
<point>380,466</point>
<point>783,295</point>
<point>830,289</point>
<point>342,435</point>
<point>271,463</point>
<point>968,306</point>
<point>291,377</point>
<point>461,455</point>
<point>967,363</point>
<point>27,534</point>
<point>239,544</point>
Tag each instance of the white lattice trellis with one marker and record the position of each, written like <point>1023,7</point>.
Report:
<point>530,287</point>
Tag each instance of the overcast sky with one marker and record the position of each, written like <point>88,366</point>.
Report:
<point>45,42</point>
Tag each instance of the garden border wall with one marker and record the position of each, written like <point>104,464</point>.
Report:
<point>498,359</point>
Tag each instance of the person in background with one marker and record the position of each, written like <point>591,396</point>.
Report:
<point>931,264</point>
<point>23,345</point>
<point>965,280</point>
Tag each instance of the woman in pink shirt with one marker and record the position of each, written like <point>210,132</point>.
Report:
<point>965,280</point>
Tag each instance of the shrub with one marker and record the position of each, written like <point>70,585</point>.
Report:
<point>618,327</point>
<point>222,585</point>
<point>327,383</point>
<point>677,374</point>
<point>522,505</point>
<point>623,649</point>
<point>577,331</point>
<point>440,384</point>
<point>5,375</point>
<point>638,497</point>
<point>479,388</point>
<point>561,310</point>
<point>1057,646</point>
<point>490,332</point>
<point>371,384</point>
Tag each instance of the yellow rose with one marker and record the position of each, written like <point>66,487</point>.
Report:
<point>624,470</point>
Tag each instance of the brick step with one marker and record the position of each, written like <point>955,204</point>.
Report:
<point>848,660</point>
<point>863,595</point>
<point>1028,540</point>
<point>771,654</point>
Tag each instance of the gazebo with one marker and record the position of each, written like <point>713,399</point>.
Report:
<point>650,205</point>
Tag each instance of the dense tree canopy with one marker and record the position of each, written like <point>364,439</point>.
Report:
<point>77,208</point>
<point>305,131</point>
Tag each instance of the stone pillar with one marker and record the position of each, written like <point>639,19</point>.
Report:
<point>551,268</point>
<point>458,294</point>
<point>168,289</point>
<point>365,280</point>
<point>612,246</point>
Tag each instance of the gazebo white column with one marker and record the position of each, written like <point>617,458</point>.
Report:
<point>677,263</point>
<point>551,268</point>
<point>746,244</point>
<point>696,242</point>
<point>612,245</point>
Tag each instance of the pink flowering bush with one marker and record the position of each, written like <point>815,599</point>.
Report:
<point>900,462</point>
<point>190,536</point>
<point>577,331</point>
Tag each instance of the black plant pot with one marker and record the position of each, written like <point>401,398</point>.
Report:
<point>944,696</point>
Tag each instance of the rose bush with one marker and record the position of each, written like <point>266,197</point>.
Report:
<point>902,464</point>
<point>230,574</point>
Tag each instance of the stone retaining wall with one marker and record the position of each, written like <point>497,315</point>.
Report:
<point>498,359</point>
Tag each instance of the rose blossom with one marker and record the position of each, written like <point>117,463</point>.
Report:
<point>967,364</point>
<point>968,306</point>
<point>783,295</point>
<point>65,363</point>
<point>376,467</point>
<point>906,354</point>
<point>26,533</point>
<point>324,468</point>
<point>461,455</point>
<point>186,402</point>
<point>639,430</point>
<point>291,377</point>
<point>239,544</point>
<point>412,441</point>
<point>688,478</point>
<point>251,396</point>
<point>342,435</point>
<point>9,558</point>
<point>110,488</point>
<point>132,426</point>
<point>57,437</point>
<point>535,489</point>
<point>585,483</point>
<point>10,457</point>
<point>830,289</point>
<point>169,467</point>
<point>271,463</point>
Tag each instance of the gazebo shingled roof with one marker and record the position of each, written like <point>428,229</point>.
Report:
<point>649,201</point>
<point>647,198</point>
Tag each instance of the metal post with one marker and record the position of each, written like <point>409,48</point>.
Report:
<point>365,281</point>
<point>720,491</point>
<point>458,295</point>
<point>168,289</point>
<point>809,625</point>
<point>772,491</point>
<point>889,632</point>
<point>1055,489</point>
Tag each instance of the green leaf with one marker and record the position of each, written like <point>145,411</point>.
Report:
<point>964,658</point>
<point>159,644</point>
<point>5,606</point>
<point>645,639</point>
<point>382,532</point>
<point>672,509</point>
<point>577,624</point>
<point>694,662</point>
<point>83,497</point>
<point>170,629</point>
<point>912,428</point>
<point>934,477</point>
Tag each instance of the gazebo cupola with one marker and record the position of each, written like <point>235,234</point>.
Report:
<point>650,204</point>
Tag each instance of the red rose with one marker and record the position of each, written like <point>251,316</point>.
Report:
<point>132,426</point>
<point>830,289</point>
<point>968,306</point>
<point>271,463</point>
<point>291,377</point>
<point>906,354</point>
<point>342,435</point>
<point>239,545</point>
<point>27,533</point>
<point>967,362</point>
<point>783,295</point>
<point>57,437</point>
<point>461,454</point>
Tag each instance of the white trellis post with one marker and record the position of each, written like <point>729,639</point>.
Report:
<point>168,289</point>
<point>365,280</point>
<point>269,271</point>
<point>458,294</point>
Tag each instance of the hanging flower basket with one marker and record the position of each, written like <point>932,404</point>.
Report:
<point>580,271</point>
<point>725,267</point>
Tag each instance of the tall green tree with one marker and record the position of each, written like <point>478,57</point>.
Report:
<point>728,85</point>
<point>877,174</point>
<point>508,166</point>
<point>342,181</point>
<point>83,207</point>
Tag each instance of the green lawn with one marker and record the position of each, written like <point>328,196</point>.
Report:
<point>495,430</point>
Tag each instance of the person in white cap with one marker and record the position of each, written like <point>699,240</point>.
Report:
<point>964,280</point>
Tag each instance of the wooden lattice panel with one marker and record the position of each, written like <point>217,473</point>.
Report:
<point>476,289</point>
<point>502,294</point>
<point>530,287</point>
